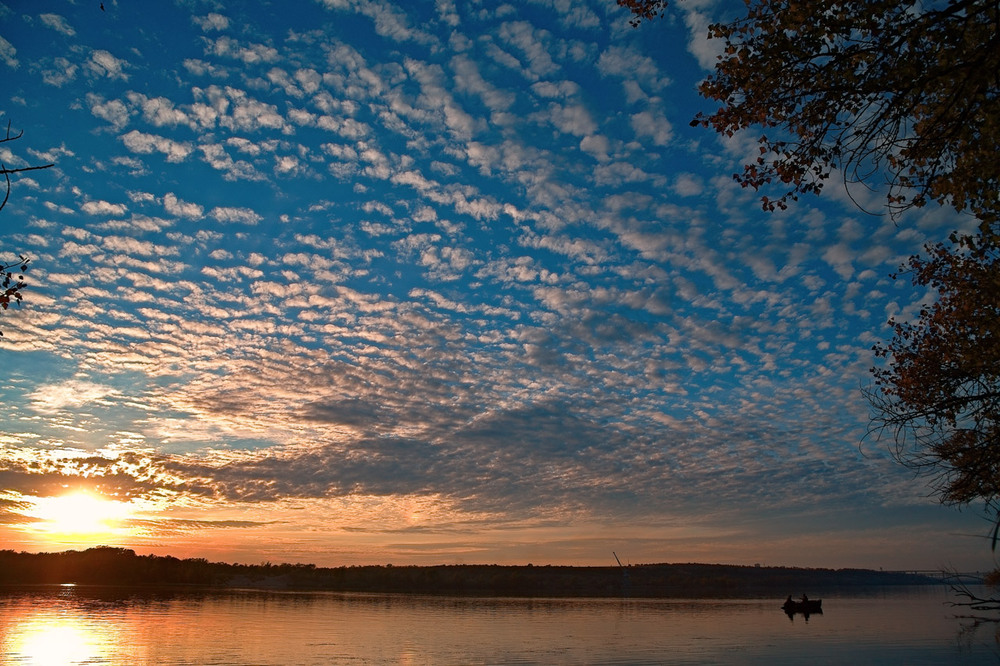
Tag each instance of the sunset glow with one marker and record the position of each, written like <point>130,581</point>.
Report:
<point>79,515</point>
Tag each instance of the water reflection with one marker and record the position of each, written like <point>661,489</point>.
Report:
<point>42,639</point>
<point>969,633</point>
<point>60,627</point>
<point>116,626</point>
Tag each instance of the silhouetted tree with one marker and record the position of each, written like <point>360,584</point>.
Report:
<point>900,90</point>
<point>938,395</point>
<point>12,281</point>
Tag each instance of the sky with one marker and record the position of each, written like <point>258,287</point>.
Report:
<point>354,282</point>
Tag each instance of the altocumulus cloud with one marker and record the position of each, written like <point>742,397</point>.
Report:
<point>353,270</point>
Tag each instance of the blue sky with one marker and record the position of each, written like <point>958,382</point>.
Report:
<point>346,281</point>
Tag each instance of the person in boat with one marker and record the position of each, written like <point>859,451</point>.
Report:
<point>805,599</point>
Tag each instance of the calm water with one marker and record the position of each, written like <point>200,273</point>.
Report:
<point>80,625</point>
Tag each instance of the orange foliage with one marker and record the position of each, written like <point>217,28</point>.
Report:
<point>939,392</point>
<point>897,91</point>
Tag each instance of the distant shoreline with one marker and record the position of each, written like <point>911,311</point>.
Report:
<point>123,567</point>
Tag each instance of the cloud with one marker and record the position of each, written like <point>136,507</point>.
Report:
<point>390,21</point>
<point>175,206</point>
<point>840,257</point>
<point>141,142</point>
<point>630,65</point>
<point>354,412</point>
<point>198,67</point>
<point>706,51</point>
<point>160,111</point>
<point>688,185</point>
<point>70,394</point>
<point>60,73</point>
<point>57,23</point>
<point>104,208</point>
<point>234,109</point>
<point>572,15</point>
<point>288,165</point>
<point>575,120</point>
<point>653,125</point>
<point>134,247</point>
<point>231,215</point>
<point>216,156</point>
<point>103,63</point>
<point>8,54</point>
<point>250,54</point>
<point>211,21</point>
<point>53,154</point>
<point>469,79</point>
<point>531,42</point>
<point>114,111</point>
<point>134,166</point>
<point>597,145</point>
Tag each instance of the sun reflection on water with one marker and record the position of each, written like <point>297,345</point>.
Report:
<point>72,626</point>
<point>45,640</point>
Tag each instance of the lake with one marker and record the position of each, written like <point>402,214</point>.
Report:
<point>93,625</point>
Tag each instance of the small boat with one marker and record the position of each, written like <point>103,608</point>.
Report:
<point>805,606</point>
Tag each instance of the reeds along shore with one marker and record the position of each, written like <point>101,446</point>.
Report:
<point>121,566</point>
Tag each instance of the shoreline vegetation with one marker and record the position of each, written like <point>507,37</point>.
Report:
<point>123,567</point>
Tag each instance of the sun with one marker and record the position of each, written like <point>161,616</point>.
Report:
<point>79,514</point>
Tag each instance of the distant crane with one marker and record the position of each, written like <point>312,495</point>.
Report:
<point>625,580</point>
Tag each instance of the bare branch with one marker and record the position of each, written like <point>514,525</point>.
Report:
<point>12,273</point>
<point>6,172</point>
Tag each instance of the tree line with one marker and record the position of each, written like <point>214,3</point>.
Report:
<point>123,567</point>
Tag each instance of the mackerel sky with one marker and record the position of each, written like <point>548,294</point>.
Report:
<point>349,281</point>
